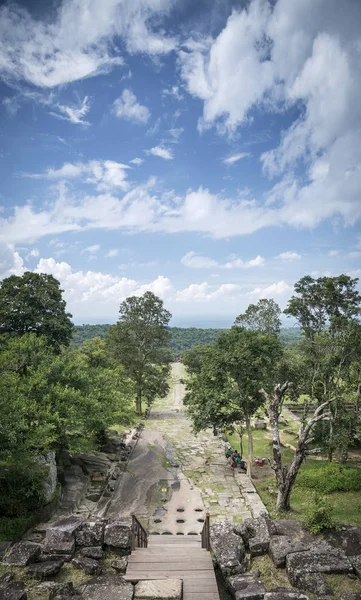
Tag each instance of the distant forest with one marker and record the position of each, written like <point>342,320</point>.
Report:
<point>183,338</point>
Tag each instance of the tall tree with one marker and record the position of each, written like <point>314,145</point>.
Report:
<point>263,317</point>
<point>227,389</point>
<point>139,339</point>
<point>33,303</point>
<point>327,310</point>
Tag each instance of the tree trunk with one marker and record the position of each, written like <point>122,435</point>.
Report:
<point>241,443</point>
<point>138,402</point>
<point>250,447</point>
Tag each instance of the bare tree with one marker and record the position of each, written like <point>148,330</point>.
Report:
<point>286,474</point>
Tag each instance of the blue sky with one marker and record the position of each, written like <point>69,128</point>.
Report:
<point>206,150</point>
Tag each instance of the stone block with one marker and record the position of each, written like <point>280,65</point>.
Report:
<point>15,591</point>
<point>118,533</point>
<point>60,537</point>
<point>94,552</point>
<point>21,554</point>
<point>346,537</point>
<point>120,565</point>
<point>284,594</point>
<point>281,545</point>
<point>54,589</point>
<point>88,565</point>
<point>356,563</point>
<point>320,559</point>
<point>90,533</point>
<point>45,569</point>
<point>246,587</point>
<point>228,548</point>
<point>259,537</point>
<point>260,425</point>
<point>170,589</point>
<point>107,587</point>
<point>312,582</point>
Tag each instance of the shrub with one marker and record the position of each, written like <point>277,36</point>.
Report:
<point>319,514</point>
<point>21,487</point>
<point>328,478</point>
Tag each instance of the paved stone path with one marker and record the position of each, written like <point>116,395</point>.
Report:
<point>174,476</point>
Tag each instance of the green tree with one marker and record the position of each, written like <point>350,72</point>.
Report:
<point>227,389</point>
<point>33,303</point>
<point>139,339</point>
<point>193,359</point>
<point>327,310</point>
<point>263,317</point>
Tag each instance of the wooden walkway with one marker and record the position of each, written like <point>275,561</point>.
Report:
<point>176,557</point>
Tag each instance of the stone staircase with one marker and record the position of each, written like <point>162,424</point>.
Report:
<point>176,557</point>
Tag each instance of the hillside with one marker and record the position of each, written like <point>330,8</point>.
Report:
<point>182,338</point>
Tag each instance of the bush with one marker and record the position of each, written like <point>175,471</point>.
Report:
<point>21,488</point>
<point>328,478</point>
<point>13,529</point>
<point>319,514</point>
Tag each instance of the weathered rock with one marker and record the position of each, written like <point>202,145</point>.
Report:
<point>321,559</point>
<point>94,552</point>
<point>356,596</point>
<point>109,587</point>
<point>6,578</point>
<point>246,587</point>
<point>90,533</point>
<point>284,594</point>
<point>92,463</point>
<point>170,589</point>
<point>356,563</point>
<point>261,425</point>
<point>45,569</point>
<point>228,548</point>
<point>118,533</point>
<point>21,554</point>
<point>14,591</point>
<point>49,488</point>
<point>60,537</point>
<point>289,528</point>
<point>346,537</point>
<point>54,589</point>
<point>88,565</point>
<point>312,582</point>
<point>4,547</point>
<point>120,565</point>
<point>46,557</point>
<point>259,537</point>
<point>281,546</point>
<point>241,529</point>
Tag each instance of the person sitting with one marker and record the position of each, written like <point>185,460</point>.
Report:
<point>228,452</point>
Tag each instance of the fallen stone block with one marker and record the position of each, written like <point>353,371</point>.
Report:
<point>259,537</point>
<point>170,589</point>
<point>54,589</point>
<point>312,582</point>
<point>281,545</point>
<point>90,533</point>
<point>120,565</point>
<point>6,578</point>
<point>45,569</point>
<point>107,587</point>
<point>15,591</point>
<point>320,559</point>
<point>21,554</point>
<point>285,594</point>
<point>118,533</point>
<point>290,528</point>
<point>88,565</point>
<point>94,552</point>
<point>60,537</point>
<point>228,548</point>
<point>247,587</point>
<point>346,537</point>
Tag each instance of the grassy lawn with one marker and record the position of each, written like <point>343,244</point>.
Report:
<point>341,485</point>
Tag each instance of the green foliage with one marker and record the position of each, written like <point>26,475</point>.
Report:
<point>138,342</point>
<point>13,528</point>
<point>82,333</point>
<point>263,317</point>
<point>33,303</point>
<point>328,478</point>
<point>193,359</point>
<point>186,338</point>
<point>319,515</point>
<point>21,483</point>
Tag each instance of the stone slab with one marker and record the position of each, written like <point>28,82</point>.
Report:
<point>107,587</point>
<point>21,554</point>
<point>170,589</point>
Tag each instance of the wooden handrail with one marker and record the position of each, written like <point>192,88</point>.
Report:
<point>206,539</point>
<point>139,534</point>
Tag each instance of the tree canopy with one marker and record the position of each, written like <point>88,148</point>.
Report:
<point>263,317</point>
<point>33,303</point>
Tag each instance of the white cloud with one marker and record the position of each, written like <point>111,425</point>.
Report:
<point>289,256</point>
<point>73,114</point>
<point>281,288</point>
<point>137,161</point>
<point>92,249</point>
<point>176,133</point>
<point>277,56</point>
<point>11,262</point>
<point>104,174</point>
<point>112,253</point>
<point>127,107</point>
<point>173,91</point>
<point>162,152</point>
<point>231,160</point>
<point>333,252</point>
<point>196,261</point>
<point>78,42</point>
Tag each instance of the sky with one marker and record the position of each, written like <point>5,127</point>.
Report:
<point>206,150</point>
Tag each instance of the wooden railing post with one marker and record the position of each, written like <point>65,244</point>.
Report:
<point>206,541</point>
<point>139,535</point>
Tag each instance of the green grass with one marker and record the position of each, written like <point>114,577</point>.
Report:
<point>13,529</point>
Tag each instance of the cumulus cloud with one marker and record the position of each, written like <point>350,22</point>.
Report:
<point>234,158</point>
<point>276,56</point>
<point>197,261</point>
<point>78,41</point>
<point>127,107</point>
<point>137,161</point>
<point>11,262</point>
<point>281,288</point>
<point>73,114</point>
<point>289,256</point>
<point>104,174</point>
<point>162,152</point>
